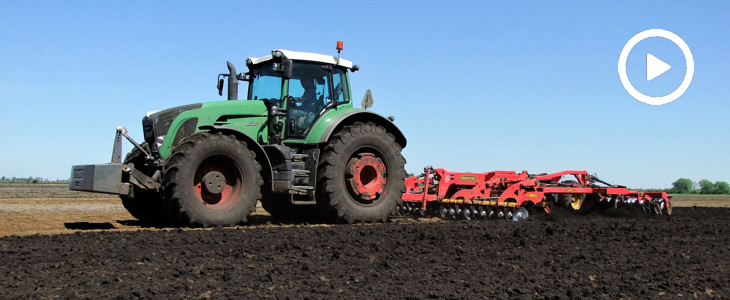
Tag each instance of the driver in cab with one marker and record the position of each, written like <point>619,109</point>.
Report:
<point>305,113</point>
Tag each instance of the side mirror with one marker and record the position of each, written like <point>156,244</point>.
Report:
<point>220,86</point>
<point>367,100</point>
<point>286,68</point>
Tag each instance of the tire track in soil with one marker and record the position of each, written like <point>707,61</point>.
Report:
<point>607,256</point>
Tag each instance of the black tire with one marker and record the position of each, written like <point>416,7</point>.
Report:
<point>579,204</point>
<point>145,205</point>
<point>371,153</point>
<point>212,180</point>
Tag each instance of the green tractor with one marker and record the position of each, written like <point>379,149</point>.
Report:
<point>297,145</point>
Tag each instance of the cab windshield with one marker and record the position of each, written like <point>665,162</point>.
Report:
<point>265,83</point>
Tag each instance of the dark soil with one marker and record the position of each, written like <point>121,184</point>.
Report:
<point>611,256</point>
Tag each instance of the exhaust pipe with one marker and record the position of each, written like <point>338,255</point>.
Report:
<point>232,82</point>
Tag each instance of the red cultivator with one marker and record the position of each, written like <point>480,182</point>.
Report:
<point>508,194</point>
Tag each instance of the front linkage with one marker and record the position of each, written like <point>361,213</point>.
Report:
<point>109,178</point>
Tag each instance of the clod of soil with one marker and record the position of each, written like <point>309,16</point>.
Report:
<point>598,256</point>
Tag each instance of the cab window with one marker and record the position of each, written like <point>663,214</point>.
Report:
<point>265,84</point>
<point>339,82</point>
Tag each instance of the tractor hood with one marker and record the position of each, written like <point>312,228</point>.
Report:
<point>156,123</point>
<point>165,129</point>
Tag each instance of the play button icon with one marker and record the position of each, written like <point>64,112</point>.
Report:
<point>655,67</point>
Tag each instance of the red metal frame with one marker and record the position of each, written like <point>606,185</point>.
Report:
<point>510,188</point>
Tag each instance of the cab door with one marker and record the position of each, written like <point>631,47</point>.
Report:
<point>309,92</point>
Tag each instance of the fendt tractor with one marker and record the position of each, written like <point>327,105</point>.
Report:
<point>297,145</point>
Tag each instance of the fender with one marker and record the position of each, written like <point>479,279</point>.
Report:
<point>261,156</point>
<point>355,116</point>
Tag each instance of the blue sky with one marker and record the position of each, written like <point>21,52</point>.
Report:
<point>475,85</point>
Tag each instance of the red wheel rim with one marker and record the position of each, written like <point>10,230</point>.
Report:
<point>218,183</point>
<point>366,177</point>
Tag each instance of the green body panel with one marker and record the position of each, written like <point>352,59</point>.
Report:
<point>323,124</point>
<point>244,115</point>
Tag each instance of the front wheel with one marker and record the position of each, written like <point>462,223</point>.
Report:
<point>145,205</point>
<point>212,180</point>
<point>361,176</point>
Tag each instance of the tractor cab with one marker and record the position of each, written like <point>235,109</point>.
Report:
<point>297,88</point>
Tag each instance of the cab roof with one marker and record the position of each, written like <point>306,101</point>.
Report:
<point>304,56</point>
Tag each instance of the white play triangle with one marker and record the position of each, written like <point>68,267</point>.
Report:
<point>655,67</point>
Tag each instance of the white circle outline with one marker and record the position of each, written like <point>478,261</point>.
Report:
<point>687,75</point>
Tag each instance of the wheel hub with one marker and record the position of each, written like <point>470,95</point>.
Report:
<point>214,182</point>
<point>367,176</point>
<point>218,182</point>
<point>576,202</point>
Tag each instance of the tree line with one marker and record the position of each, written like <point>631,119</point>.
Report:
<point>704,186</point>
<point>31,179</point>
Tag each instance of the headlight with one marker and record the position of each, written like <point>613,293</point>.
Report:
<point>159,140</point>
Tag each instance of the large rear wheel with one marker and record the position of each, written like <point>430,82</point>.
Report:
<point>361,175</point>
<point>212,180</point>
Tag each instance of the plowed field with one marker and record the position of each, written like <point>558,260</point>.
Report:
<point>621,254</point>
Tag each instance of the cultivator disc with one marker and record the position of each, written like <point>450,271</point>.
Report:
<point>457,212</point>
<point>520,214</point>
<point>653,206</point>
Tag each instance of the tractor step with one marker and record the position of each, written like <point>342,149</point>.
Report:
<point>304,191</point>
<point>301,189</point>
<point>299,172</point>
<point>305,202</point>
<point>299,157</point>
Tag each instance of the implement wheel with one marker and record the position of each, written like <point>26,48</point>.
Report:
<point>576,201</point>
<point>580,204</point>
<point>145,205</point>
<point>212,180</point>
<point>361,175</point>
